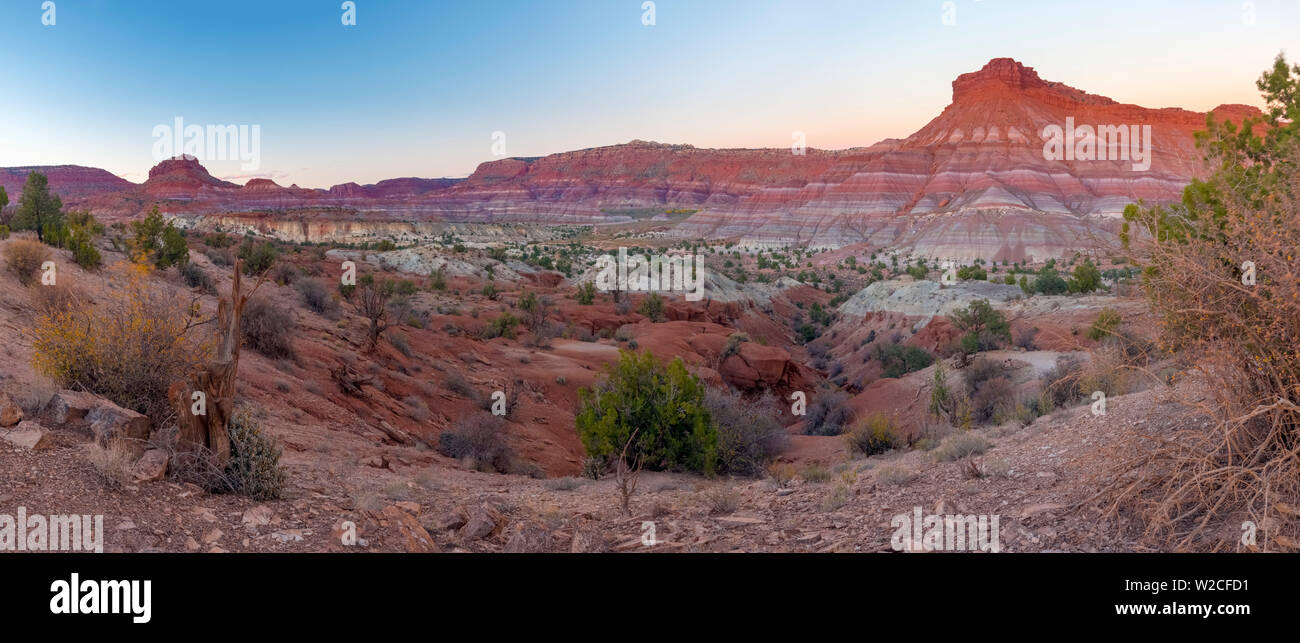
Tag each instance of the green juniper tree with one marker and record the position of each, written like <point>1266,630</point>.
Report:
<point>649,413</point>
<point>38,207</point>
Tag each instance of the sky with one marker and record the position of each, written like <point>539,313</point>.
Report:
<point>431,89</point>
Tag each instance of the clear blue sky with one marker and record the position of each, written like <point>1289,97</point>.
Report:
<point>417,87</point>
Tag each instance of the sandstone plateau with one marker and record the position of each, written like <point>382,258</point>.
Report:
<point>972,183</point>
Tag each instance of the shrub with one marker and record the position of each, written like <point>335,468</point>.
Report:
<point>456,383</point>
<point>317,298</point>
<point>828,413</point>
<point>57,299</point>
<point>657,411</point>
<point>899,360</point>
<point>268,328</point>
<point>24,258</point>
<point>479,438</point>
<point>536,311</point>
<point>587,293</point>
<point>892,474</point>
<point>129,348</point>
<point>4,232</point>
<point>941,401</point>
<point>1061,384</point>
<point>1106,372</point>
<point>1050,282</point>
<point>873,435</point>
<point>732,346</point>
<point>980,370</point>
<point>1027,338</point>
<point>994,401</point>
<point>218,240</point>
<point>815,473</point>
<point>84,252</point>
<point>933,431</point>
<point>112,464</point>
<point>56,234</point>
<point>503,326</point>
<point>594,468</point>
<point>418,409</point>
<point>400,344</point>
<point>984,327</point>
<point>254,469</point>
<point>567,483</point>
<point>404,288</point>
<point>966,273</point>
<point>1086,278</point>
<point>221,257</point>
<point>195,277</point>
<point>376,304</point>
<point>1242,462</point>
<point>174,251</point>
<point>722,500</point>
<point>989,393</point>
<point>749,435</point>
<point>1106,324</point>
<point>960,445</point>
<point>652,306</point>
<point>284,274</point>
<point>158,242</point>
<point>837,497</point>
<point>258,257</point>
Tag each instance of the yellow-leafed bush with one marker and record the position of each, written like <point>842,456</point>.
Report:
<point>129,349</point>
<point>24,258</point>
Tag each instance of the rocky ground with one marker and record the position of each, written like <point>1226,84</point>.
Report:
<point>365,465</point>
<point>1038,479</point>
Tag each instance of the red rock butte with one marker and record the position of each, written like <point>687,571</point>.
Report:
<point>973,182</point>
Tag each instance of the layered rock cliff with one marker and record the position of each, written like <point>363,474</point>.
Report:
<point>974,182</point>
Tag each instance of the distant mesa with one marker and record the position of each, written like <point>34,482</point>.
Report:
<point>973,182</point>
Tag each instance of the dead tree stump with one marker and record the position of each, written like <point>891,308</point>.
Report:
<point>210,431</point>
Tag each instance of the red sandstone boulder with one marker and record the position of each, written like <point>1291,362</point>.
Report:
<point>755,367</point>
<point>544,279</point>
<point>10,412</point>
<point>111,423</point>
<point>770,362</point>
<point>28,435</point>
<point>69,407</point>
<point>938,337</point>
<point>413,536</point>
<point>105,421</point>
<point>151,466</point>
